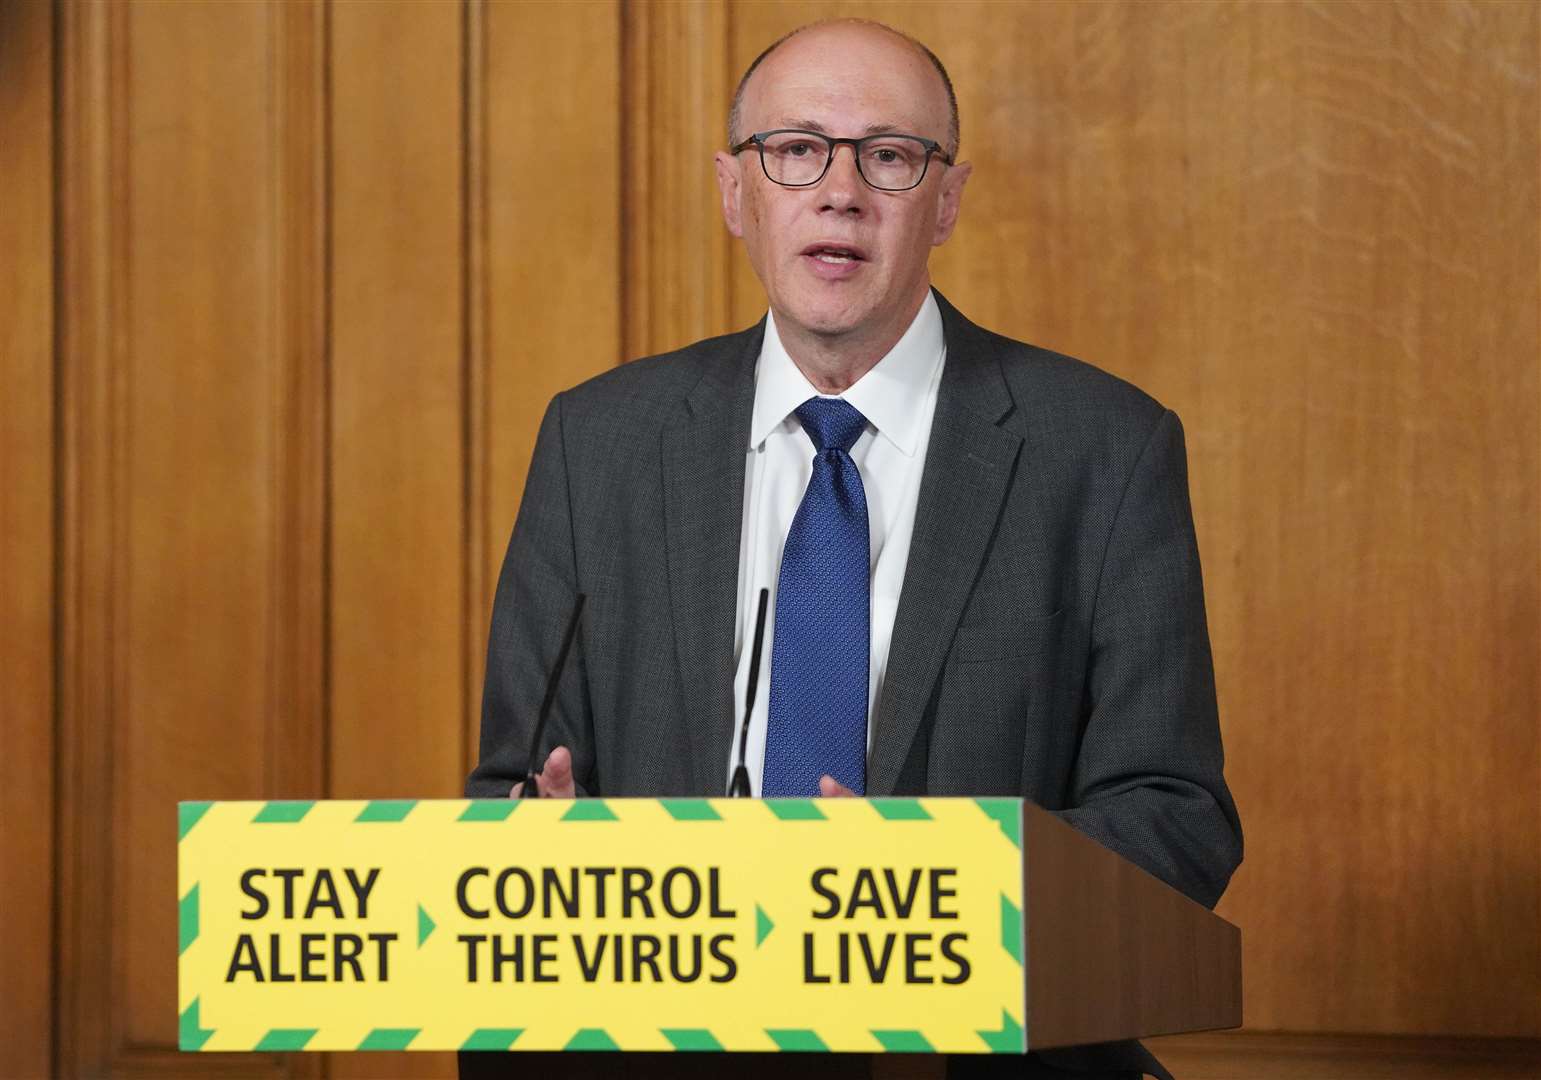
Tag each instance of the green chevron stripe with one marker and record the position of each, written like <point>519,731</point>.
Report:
<point>1007,813</point>
<point>903,1042</point>
<point>187,920</point>
<point>489,810</point>
<point>1011,1039</point>
<point>690,810</point>
<point>590,810</point>
<point>189,1035</point>
<point>1011,928</point>
<point>762,926</point>
<point>900,810</point>
<point>425,925</point>
<point>286,1039</point>
<point>795,809</point>
<point>386,810</point>
<point>389,1039</point>
<point>797,1040</point>
<point>188,815</point>
<point>691,1038</point>
<point>492,1038</point>
<point>283,812</point>
<point>591,1039</point>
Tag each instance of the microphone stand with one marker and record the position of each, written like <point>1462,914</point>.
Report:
<point>739,787</point>
<point>531,788</point>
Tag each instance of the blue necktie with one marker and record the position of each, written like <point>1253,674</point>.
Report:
<point>818,697</point>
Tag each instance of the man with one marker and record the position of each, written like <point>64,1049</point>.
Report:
<point>984,548</point>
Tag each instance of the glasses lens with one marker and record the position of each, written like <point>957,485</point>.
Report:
<point>793,157</point>
<point>893,162</point>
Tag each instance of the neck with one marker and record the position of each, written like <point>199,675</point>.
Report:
<point>833,363</point>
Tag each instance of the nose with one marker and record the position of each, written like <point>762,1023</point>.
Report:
<point>842,189</point>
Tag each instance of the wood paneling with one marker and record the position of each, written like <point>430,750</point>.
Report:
<point>201,475</point>
<point>397,400</point>
<point>547,179</point>
<point>184,498</point>
<point>92,272</point>
<point>1312,230</point>
<point>300,370</point>
<point>677,286</point>
<point>320,267</point>
<point>398,408</point>
<point>26,534</point>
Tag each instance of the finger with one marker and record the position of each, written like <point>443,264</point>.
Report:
<point>556,779</point>
<point>517,790</point>
<point>831,788</point>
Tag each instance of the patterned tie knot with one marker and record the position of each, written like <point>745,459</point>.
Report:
<point>832,423</point>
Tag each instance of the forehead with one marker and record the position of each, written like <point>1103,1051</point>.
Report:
<point>847,80</point>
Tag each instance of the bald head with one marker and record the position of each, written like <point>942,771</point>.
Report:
<point>829,36</point>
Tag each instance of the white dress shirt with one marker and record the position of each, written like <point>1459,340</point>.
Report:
<point>898,398</point>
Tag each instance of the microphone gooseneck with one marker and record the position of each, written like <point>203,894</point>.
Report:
<point>531,784</point>
<point>739,787</point>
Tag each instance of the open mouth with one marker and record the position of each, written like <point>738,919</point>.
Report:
<point>834,254</point>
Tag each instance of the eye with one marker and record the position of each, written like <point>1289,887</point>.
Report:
<point>895,153</point>
<point>797,149</point>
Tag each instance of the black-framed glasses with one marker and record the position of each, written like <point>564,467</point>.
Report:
<point>794,158</point>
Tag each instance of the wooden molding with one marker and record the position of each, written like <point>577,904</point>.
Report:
<point>479,581</point>
<point>298,630</point>
<point>101,968</point>
<point>676,86</point>
<point>27,541</point>
<point>298,714</point>
<point>91,250</point>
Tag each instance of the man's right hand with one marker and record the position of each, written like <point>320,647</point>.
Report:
<point>556,777</point>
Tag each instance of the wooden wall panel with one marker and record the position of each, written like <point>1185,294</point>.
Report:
<point>1312,230</point>
<point>177,349</point>
<point>196,457</point>
<point>90,268</point>
<point>313,297</point>
<point>398,415</point>
<point>677,285</point>
<point>26,535</point>
<point>547,296</point>
<point>397,385</point>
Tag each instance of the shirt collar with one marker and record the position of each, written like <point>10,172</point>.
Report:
<point>886,395</point>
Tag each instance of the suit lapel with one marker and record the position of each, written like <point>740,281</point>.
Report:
<point>703,477</point>
<point>966,475</point>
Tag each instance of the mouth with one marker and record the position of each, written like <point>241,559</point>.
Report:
<point>833,254</point>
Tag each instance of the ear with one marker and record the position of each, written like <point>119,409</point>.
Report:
<point>950,201</point>
<point>729,182</point>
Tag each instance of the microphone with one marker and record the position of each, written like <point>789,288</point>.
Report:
<point>739,787</point>
<point>531,788</point>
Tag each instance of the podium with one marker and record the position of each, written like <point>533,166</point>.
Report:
<point>837,927</point>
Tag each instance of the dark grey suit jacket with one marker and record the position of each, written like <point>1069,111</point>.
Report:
<point>1050,640</point>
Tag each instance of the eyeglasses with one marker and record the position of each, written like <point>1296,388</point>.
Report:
<point>794,158</point>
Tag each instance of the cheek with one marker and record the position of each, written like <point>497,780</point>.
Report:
<point>919,234</point>
<point>752,225</point>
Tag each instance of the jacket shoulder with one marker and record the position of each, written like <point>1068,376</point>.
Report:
<point>653,383</point>
<point>1042,379</point>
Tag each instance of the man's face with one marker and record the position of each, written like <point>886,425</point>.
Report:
<point>841,260</point>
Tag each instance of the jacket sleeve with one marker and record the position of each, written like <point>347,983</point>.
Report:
<point>1149,776</point>
<point>534,600</point>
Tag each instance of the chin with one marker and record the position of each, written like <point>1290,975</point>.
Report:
<point>829,318</point>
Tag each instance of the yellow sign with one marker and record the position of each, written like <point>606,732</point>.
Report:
<point>631,924</point>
